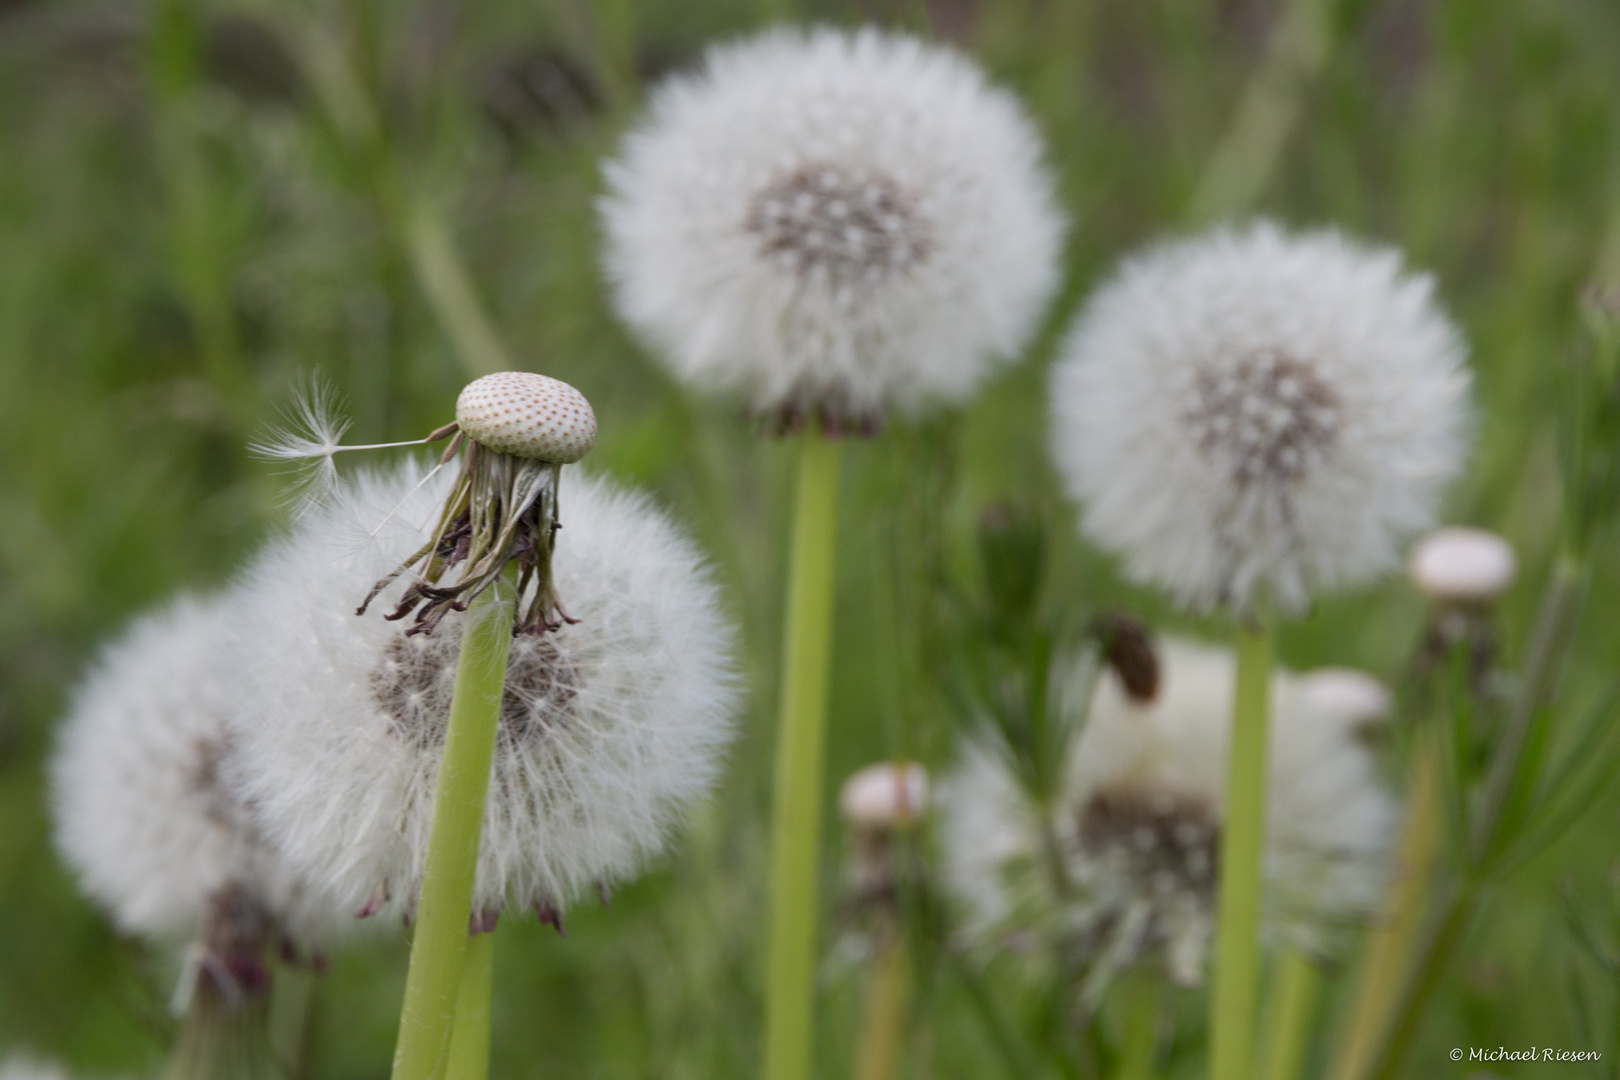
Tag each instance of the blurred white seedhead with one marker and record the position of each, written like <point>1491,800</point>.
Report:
<point>832,223</point>
<point>1351,698</point>
<point>519,429</point>
<point>1460,565</point>
<point>610,727</point>
<point>16,1066</point>
<point>1252,410</point>
<point>888,795</point>
<point>1137,826</point>
<point>143,812</point>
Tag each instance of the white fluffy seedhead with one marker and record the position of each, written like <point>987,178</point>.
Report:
<point>1140,814</point>
<point>1460,565</point>
<point>834,222</point>
<point>143,814</point>
<point>1253,410</point>
<point>611,727</point>
<point>887,795</point>
<point>528,415</point>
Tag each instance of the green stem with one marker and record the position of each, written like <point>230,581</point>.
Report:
<point>796,830</point>
<point>293,1007</point>
<point>1141,1035</point>
<point>1290,1008</point>
<point>433,983</point>
<point>469,1042</point>
<point>1554,632</point>
<point>1246,157</point>
<point>1389,946</point>
<point>1444,934</point>
<point>1237,950</point>
<point>878,1052</point>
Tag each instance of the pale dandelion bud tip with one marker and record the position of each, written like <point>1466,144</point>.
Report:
<point>1461,564</point>
<point>885,795</point>
<point>527,415</point>
<point>1345,694</point>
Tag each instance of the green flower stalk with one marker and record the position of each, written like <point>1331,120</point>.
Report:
<point>830,282</point>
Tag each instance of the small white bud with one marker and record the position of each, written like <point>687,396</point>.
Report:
<point>1345,694</point>
<point>1463,565</point>
<point>885,795</point>
<point>527,415</point>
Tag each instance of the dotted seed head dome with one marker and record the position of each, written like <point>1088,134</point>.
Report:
<point>1252,409</point>
<point>143,812</point>
<point>527,415</point>
<point>834,221</point>
<point>610,727</point>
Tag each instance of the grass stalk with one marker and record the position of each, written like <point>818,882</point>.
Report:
<point>448,286</point>
<point>1389,945</point>
<point>877,1055</point>
<point>1290,1008</point>
<point>1237,950</point>
<point>800,750</point>
<point>469,1040</point>
<point>439,947</point>
<point>1247,154</point>
<point>1140,1038</point>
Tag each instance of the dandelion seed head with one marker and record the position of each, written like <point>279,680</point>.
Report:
<point>830,221</point>
<point>142,809</point>
<point>1252,410</point>
<point>1138,824</point>
<point>527,415</point>
<point>611,727</point>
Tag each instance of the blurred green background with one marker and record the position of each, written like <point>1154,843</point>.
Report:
<point>200,203</point>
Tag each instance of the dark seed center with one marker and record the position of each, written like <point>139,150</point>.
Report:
<point>852,226</point>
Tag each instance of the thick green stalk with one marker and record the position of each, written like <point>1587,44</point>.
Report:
<point>1388,948</point>
<point>1140,1039</point>
<point>800,748</point>
<point>469,1042</point>
<point>433,983</point>
<point>1290,1007</point>
<point>877,1055</point>
<point>1237,948</point>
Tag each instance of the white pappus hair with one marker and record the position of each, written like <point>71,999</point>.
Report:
<point>1252,410</point>
<point>142,810</point>
<point>610,727</point>
<point>838,221</point>
<point>1138,821</point>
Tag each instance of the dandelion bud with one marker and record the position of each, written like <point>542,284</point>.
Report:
<point>1252,411</point>
<point>832,223</point>
<point>885,796</point>
<point>1460,565</point>
<point>610,727</point>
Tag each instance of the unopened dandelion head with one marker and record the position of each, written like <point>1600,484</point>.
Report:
<point>143,811</point>
<point>611,725</point>
<point>1257,411</point>
<point>833,223</point>
<point>887,795</point>
<point>1461,565</point>
<point>1138,824</point>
